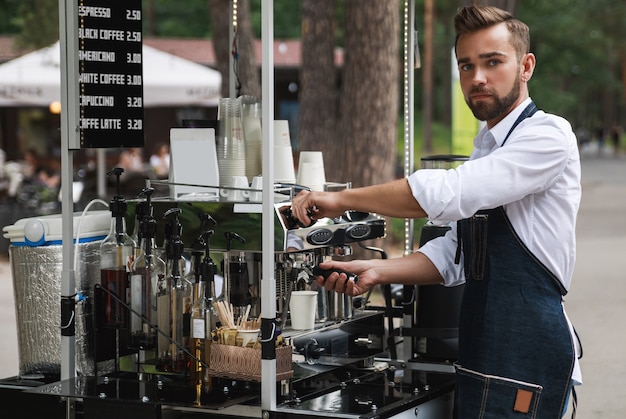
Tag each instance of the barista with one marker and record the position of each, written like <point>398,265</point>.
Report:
<point>513,244</point>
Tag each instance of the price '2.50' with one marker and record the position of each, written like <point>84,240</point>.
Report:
<point>133,14</point>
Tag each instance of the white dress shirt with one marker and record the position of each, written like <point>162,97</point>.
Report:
<point>535,175</point>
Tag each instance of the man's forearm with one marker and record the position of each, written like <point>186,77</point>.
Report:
<point>393,199</point>
<point>414,269</point>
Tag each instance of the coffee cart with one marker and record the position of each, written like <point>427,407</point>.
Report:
<point>348,365</point>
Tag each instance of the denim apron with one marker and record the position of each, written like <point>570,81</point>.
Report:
<point>515,350</point>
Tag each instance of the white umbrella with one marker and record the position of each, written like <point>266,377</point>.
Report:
<point>34,80</point>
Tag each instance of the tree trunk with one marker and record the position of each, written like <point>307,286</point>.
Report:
<point>149,16</point>
<point>318,94</point>
<point>622,60</point>
<point>427,76</point>
<point>249,77</point>
<point>366,150</point>
<point>248,81</point>
<point>218,9</point>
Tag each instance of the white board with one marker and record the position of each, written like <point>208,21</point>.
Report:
<point>193,163</point>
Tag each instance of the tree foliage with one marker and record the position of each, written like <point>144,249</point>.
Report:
<point>173,18</point>
<point>580,45</point>
<point>38,23</point>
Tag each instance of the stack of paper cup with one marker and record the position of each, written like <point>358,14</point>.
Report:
<point>284,171</point>
<point>251,116</point>
<point>231,148</point>
<point>311,171</point>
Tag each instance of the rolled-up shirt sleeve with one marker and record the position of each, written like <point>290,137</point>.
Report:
<point>442,251</point>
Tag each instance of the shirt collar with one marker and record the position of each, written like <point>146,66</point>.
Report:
<point>502,128</point>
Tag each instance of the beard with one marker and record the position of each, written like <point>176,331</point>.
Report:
<point>485,111</point>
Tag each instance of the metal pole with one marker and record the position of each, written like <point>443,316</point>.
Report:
<point>268,282</point>
<point>101,173</point>
<point>410,35</point>
<point>68,22</point>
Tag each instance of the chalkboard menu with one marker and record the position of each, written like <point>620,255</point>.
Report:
<point>110,73</point>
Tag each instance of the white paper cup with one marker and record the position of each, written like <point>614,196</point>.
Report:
<point>281,133</point>
<point>256,194</point>
<point>302,307</point>
<point>234,192</point>
<point>311,175</point>
<point>312,157</point>
<point>247,336</point>
<point>283,165</point>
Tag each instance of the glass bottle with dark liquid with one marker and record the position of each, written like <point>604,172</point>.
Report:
<point>174,302</point>
<point>147,271</point>
<point>116,254</point>
<point>236,278</point>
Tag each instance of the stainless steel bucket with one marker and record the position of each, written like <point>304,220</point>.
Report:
<point>36,275</point>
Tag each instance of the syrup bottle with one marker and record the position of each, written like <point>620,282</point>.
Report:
<point>116,255</point>
<point>178,296</point>
<point>238,280</point>
<point>199,325</point>
<point>140,213</point>
<point>148,270</point>
<point>208,271</point>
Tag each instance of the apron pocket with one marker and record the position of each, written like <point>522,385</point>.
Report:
<point>482,396</point>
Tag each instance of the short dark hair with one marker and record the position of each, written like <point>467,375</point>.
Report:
<point>470,19</point>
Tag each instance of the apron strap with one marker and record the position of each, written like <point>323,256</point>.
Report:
<point>526,113</point>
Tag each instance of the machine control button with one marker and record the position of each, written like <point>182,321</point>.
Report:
<point>358,231</point>
<point>320,236</point>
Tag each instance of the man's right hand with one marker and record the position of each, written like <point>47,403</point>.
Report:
<point>392,199</point>
<point>340,281</point>
<point>313,205</point>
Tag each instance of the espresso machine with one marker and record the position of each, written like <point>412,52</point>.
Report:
<point>339,366</point>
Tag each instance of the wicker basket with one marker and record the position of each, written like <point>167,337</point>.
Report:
<point>241,363</point>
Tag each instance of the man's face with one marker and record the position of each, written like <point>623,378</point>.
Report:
<point>490,73</point>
